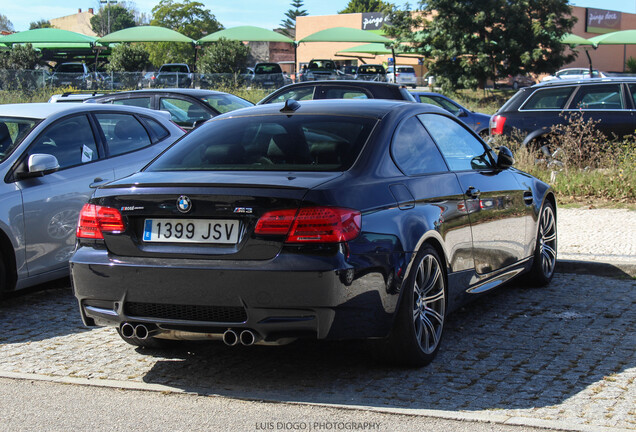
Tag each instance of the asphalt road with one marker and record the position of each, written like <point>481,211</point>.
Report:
<point>43,406</point>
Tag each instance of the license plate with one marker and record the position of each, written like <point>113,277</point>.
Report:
<point>191,231</point>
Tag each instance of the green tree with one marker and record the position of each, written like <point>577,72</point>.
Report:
<point>119,15</point>
<point>40,24</point>
<point>223,56</point>
<point>288,25</point>
<point>470,41</point>
<point>128,58</point>
<point>20,57</point>
<point>5,24</point>
<point>187,17</point>
<point>356,6</point>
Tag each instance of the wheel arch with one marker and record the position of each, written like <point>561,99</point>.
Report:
<point>7,254</point>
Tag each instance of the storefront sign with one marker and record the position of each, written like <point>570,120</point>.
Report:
<point>373,20</point>
<point>602,21</point>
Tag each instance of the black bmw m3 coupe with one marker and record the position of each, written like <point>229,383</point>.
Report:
<point>336,219</point>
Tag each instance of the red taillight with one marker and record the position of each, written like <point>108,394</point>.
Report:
<point>311,224</point>
<point>497,125</point>
<point>94,219</point>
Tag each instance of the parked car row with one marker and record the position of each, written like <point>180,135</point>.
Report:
<point>296,218</point>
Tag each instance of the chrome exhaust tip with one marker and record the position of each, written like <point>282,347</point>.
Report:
<point>247,337</point>
<point>230,337</point>
<point>141,332</point>
<point>127,330</point>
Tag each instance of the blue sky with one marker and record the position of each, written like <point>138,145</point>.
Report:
<point>261,13</point>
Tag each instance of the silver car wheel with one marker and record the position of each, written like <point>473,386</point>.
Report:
<point>429,304</point>
<point>547,241</point>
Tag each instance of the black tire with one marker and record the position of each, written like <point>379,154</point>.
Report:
<point>545,252</point>
<point>4,277</point>
<point>417,333</point>
<point>150,342</point>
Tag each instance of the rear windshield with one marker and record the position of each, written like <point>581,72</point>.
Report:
<point>322,64</point>
<point>406,69</point>
<point>71,68</point>
<point>369,69</point>
<point>12,132</point>
<point>174,68</point>
<point>267,69</point>
<point>223,102</point>
<point>269,143</point>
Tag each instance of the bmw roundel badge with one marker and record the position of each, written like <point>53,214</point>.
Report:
<point>184,204</point>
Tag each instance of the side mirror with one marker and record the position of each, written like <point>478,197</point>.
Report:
<point>505,158</point>
<point>38,165</point>
<point>462,113</point>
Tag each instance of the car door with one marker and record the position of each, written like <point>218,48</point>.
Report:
<point>604,103</point>
<point>52,202</point>
<point>498,207</point>
<point>128,144</point>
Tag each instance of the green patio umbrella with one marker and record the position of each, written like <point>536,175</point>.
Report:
<point>377,49</point>
<point>47,35</point>
<point>345,34</point>
<point>623,37</point>
<point>572,39</point>
<point>145,34</point>
<point>246,34</point>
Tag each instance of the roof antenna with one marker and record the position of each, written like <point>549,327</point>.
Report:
<point>291,106</point>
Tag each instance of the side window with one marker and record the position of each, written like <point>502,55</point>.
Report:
<point>414,151</point>
<point>70,140</point>
<point>343,93</point>
<point>305,93</point>
<point>183,112</point>
<point>604,96</point>
<point>632,90</point>
<point>554,98</point>
<point>460,148</point>
<point>143,102</point>
<point>157,129</point>
<point>123,133</point>
<point>442,103</point>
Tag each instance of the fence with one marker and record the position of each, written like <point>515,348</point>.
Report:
<point>37,79</point>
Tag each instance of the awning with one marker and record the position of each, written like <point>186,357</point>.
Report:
<point>47,35</point>
<point>345,34</point>
<point>145,34</point>
<point>246,34</point>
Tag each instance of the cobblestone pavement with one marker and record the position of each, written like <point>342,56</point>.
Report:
<point>563,353</point>
<point>607,235</point>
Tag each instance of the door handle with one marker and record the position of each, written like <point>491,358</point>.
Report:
<point>473,192</point>
<point>527,197</point>
<point>97,182</point>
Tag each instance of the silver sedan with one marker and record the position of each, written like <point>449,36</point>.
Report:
<point>52,156</point>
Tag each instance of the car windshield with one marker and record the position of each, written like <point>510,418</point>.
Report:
<point>321,64</point>
<point>174,68</point>
<point>406,69</point>
<point>225,102</point>
<point>267,69</point>
<point>12,132</point>
<point>371,69</point>
<point>270,143</point>
<point>71,68</point>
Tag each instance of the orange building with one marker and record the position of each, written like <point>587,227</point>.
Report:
<point>609,58</point>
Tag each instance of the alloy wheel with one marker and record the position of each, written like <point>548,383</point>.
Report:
<point>547,241</point>
<point>429,304</point>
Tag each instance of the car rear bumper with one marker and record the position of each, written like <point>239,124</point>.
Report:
<point>316,296</point>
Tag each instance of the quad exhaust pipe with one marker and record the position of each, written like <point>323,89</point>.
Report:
<point>246,337</point>
<point>139,331</point>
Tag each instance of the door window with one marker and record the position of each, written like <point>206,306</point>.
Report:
<point>605,96</point>
<point>123,133</point>
<point>305,93</point>
<point>414,151</point>
<point>143,102</point>
<point>554,98</point>
<point>183,112</point>
<point>461,149</point>
<point>70,140</point>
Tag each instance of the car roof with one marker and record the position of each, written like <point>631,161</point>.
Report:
<point>565,81</point>
<point>197,93</point>
<point>45,110</point>
<point>348,83</point>
<point>376,108</point>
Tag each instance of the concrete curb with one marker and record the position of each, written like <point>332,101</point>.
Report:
<point>481,417</point>
<point>621,270</point>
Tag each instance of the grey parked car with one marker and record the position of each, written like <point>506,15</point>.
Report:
<point>52,156</point>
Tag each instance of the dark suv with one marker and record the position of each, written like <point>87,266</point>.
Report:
<point>532,111</point>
